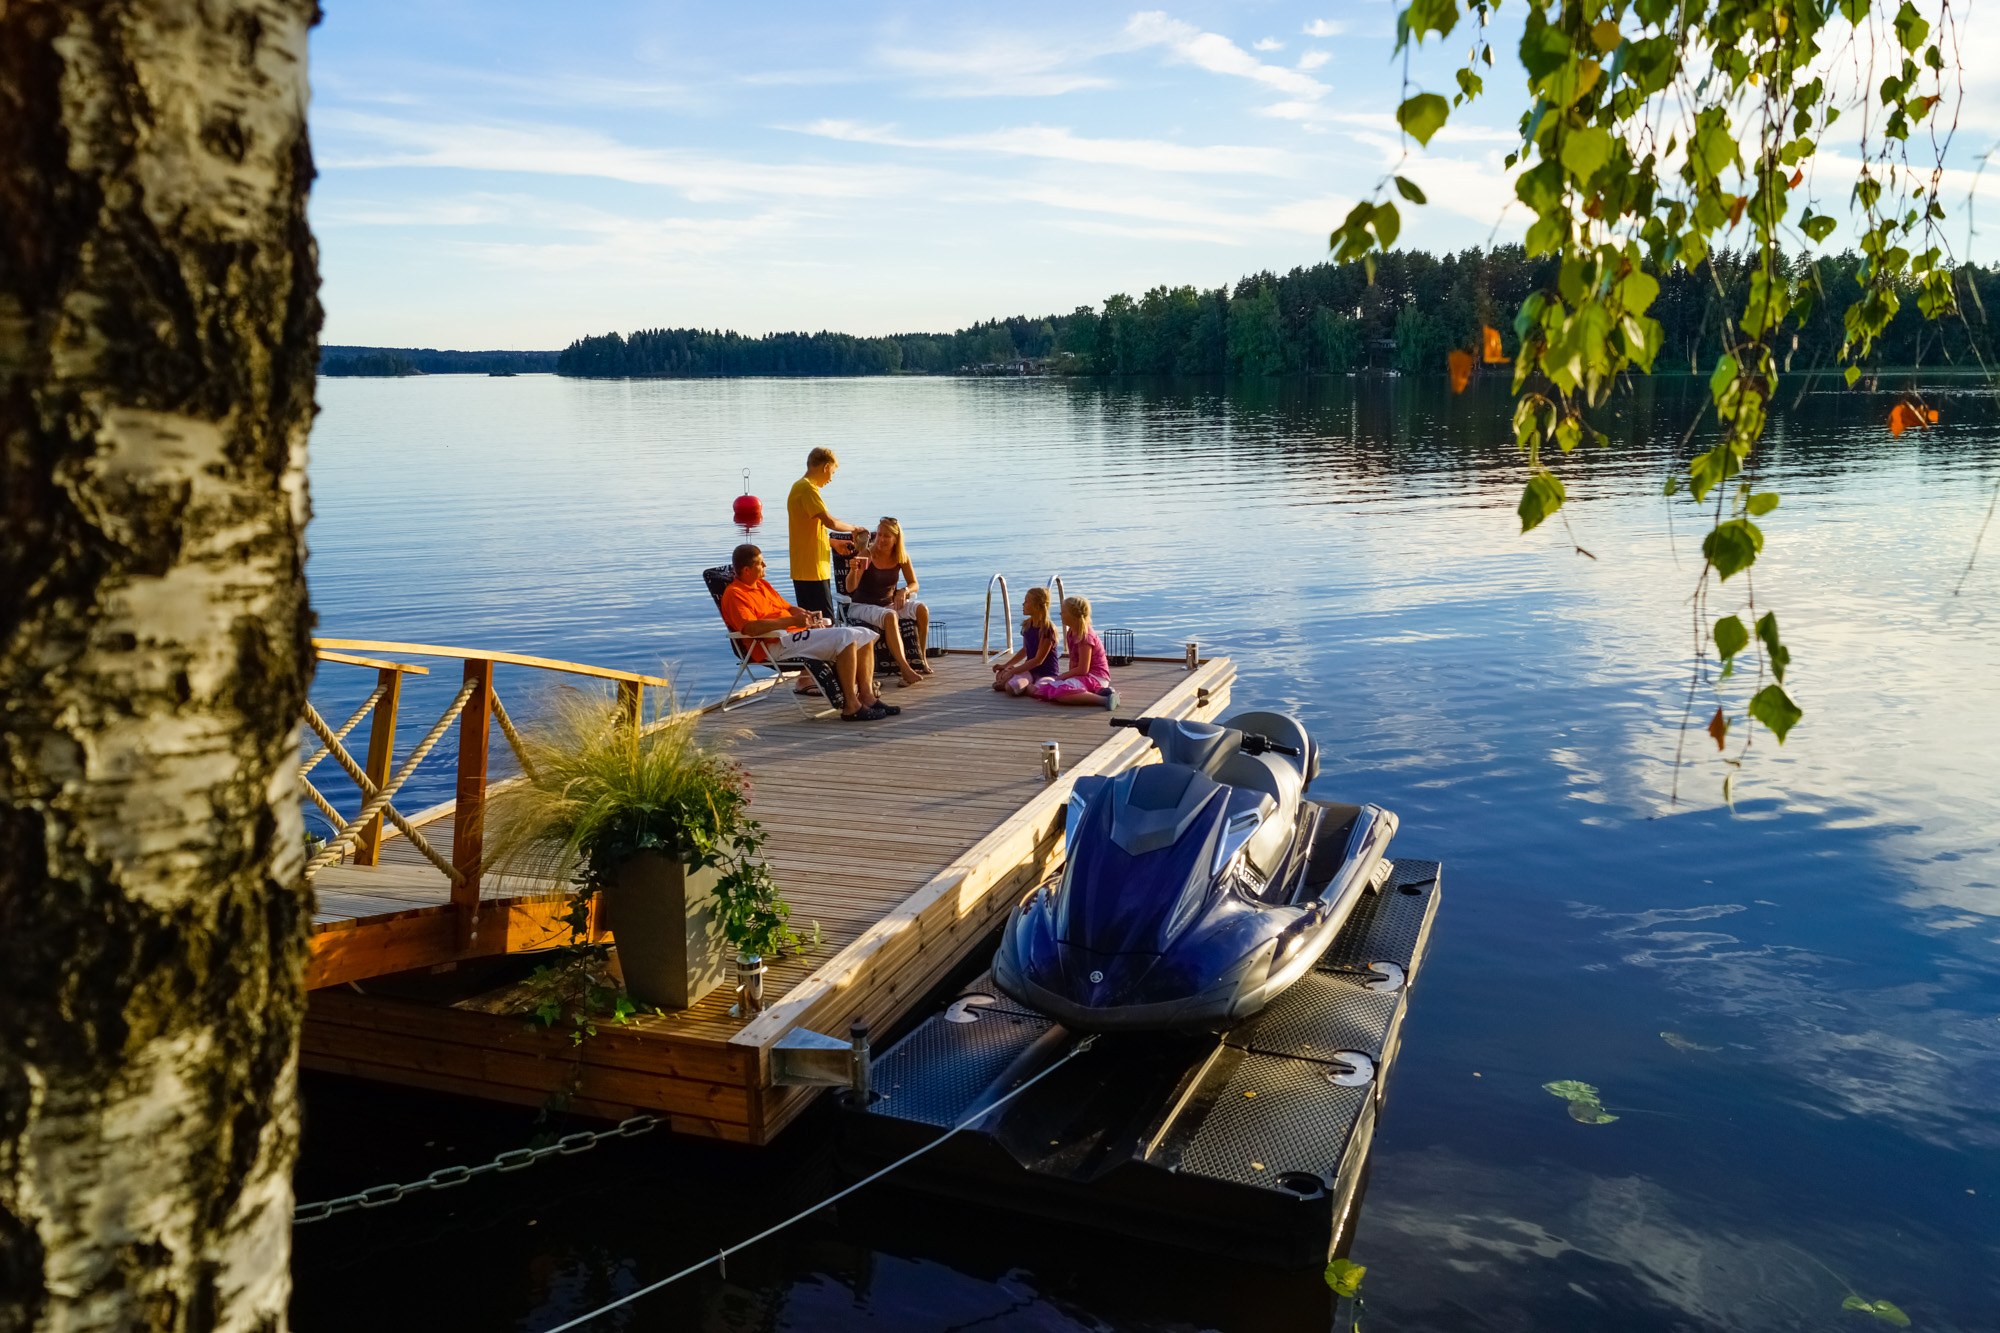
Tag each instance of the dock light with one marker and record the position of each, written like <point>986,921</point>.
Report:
<point>1051,761</point>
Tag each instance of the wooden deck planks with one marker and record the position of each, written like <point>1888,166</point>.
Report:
<point>903,839</point>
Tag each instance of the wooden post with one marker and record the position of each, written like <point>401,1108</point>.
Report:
<point>381,758</point>
<point>468,831</point>
<point>629,693</point>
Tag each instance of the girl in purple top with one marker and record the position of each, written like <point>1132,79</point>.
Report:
<point>1037,659</point>
<point>1087,683</point>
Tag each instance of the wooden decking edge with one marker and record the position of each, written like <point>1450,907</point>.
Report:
<point>973,872</point>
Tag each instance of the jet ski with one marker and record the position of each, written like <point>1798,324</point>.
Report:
<point>1197,889</point>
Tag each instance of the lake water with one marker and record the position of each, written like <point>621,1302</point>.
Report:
<point>1826,1118</point>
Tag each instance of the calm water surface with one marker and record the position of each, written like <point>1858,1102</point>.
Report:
<point>1825,953</point>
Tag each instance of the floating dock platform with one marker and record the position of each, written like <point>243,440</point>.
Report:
<point>906,840</point>
<point>1251,1141</point>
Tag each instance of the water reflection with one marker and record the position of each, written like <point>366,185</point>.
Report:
<point>1836,935</point>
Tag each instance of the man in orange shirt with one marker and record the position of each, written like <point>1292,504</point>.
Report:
<point>750,605</point>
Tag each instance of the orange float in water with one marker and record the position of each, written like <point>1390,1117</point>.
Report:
<point>1494,353</point>
<point>1902,417</point>
<point>1461,370</point>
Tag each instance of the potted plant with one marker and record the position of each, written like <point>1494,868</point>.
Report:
<point>754,918</point>
<point>654,820</point>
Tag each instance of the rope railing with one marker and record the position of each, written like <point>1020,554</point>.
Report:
<point>464,861</point>
<point>513,736</point>
<point>326,807</point>
<point>341,735</point>
<point>345,759</point>
<point>377,803</point>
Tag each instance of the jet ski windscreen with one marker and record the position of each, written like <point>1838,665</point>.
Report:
<point>1113,901</point>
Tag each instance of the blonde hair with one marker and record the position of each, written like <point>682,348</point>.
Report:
<point>890,528</point>
<point>1080,608</point>
<point>819,457</point>
<point>1035,602</point>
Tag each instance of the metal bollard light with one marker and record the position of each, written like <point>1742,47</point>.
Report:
<point>1051,761</point>
<point>1193,656</point>
<point>750,983</point>
<point>858,1084</point>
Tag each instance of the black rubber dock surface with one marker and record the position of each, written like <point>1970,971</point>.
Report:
<point>1250,1141</point>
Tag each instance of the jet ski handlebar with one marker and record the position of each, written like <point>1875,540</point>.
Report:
<point>1252,743</point>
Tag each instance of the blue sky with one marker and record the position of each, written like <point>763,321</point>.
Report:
<point>510,175</point>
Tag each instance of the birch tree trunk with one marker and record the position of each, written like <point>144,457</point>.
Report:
<point>159,321</point>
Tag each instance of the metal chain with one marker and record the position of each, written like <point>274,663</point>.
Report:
<point>514,1159</point>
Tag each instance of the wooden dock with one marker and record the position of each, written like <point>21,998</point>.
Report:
<point>906,840</point>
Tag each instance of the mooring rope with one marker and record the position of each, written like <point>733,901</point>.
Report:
<point>722,1256</point>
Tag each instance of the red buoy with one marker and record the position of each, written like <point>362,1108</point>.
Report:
<point>748,509</point>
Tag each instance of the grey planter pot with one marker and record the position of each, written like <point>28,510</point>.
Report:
<point>662,918</point>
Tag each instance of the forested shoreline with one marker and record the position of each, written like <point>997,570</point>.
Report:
<point>338,360</point>
<point>1323,319</point>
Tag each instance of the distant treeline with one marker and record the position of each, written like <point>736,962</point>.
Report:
<point>336,360</point>
<point>1325,319</point>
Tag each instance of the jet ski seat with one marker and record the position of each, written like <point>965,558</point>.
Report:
<point>1282,729</point>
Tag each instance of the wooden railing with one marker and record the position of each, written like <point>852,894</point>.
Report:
<point>475,709</point>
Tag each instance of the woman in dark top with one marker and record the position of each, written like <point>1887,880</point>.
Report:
<point>877,600</point>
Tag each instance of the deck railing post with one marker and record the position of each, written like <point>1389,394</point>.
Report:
<point>381,760</point>
<point>629,694</point>
<point>468,832</point>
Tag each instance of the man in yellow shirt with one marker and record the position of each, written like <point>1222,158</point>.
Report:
<point>812,557</point>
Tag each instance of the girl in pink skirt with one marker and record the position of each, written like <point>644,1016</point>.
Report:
<point>1087,683</point>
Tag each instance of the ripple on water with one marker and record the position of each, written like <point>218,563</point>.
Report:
<point>1352,546</point>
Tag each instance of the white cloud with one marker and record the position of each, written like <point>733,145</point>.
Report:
<point>1479,189</point>
<point>1149,233</point>
<point>601,238</point>
<point>390,84</point>
<point>1267,44</point>
<point>1185,218</point>
<point>1313,59</point>
<point>801,78</point>
<point>997,67</point>
<point>1218,55</point>
<point>624,243</point>
<point>1062,145</point>
<point>1381,122</point>
<point>1324,28</point>
<point>564,151</point>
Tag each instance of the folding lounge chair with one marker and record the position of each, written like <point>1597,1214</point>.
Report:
<point>718,578</point>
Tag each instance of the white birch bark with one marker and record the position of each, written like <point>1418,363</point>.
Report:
<point>158,333</point>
